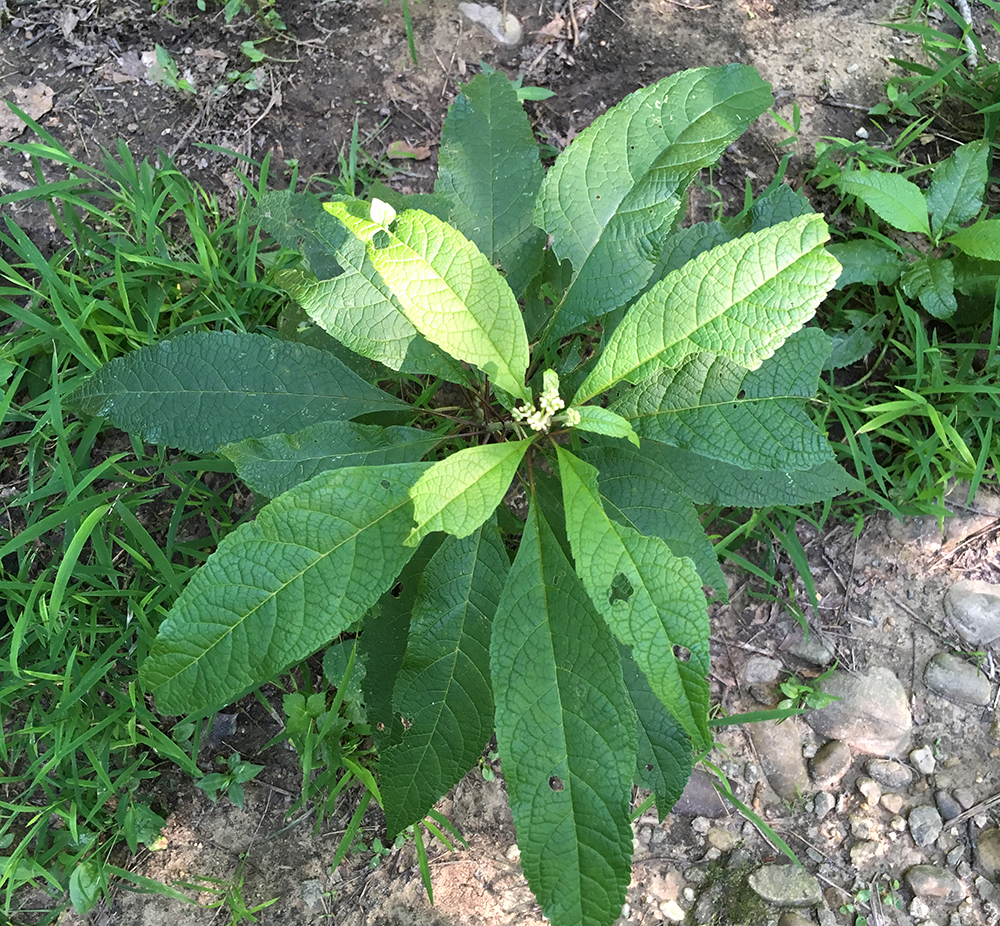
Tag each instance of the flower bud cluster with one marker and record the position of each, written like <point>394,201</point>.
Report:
<point>549,403</point>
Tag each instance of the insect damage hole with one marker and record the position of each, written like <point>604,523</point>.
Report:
<point>681,653</point>
<point>621,589</point>
<point>556,783</point>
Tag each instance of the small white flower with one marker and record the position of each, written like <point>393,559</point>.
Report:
<point>382,213</point>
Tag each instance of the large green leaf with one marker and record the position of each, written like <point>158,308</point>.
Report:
<point>866,261</point>
<point>448,289</point>
<point>893,198</point>
<point>956,192</point>
<point>202,390</point>
<point>643,495</point>
<point>566,735</point>
<point>279,587</point>
<point>663,762</point>
<point>274,464</point>
<point>489,167</point>
<point>981,240</point>
<point>754,419</point>
<point>443,687</point>
<point>651,599</point>
<point>932,281</point>
<point>739,300</point>
<point>610,198</point>
<point>460,492</point>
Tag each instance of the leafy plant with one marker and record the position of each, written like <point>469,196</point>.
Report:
<point>542,571</point>
<point>876,895</point>
<point>805,694</point>
<point>230,782</point>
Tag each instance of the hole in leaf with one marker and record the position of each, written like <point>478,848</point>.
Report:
<point>397,590</point>
<point>681,653</point>
<point>742,394</point>
<point>621,589</point>
<point>385,484</point>
<point>649,768</point>
<point>556,783</point>
<point>381,239</point>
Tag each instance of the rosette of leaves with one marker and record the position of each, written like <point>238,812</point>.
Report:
<point>590,356</point>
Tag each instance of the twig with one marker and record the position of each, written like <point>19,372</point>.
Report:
<point>963,8</point>
<point>973,811</point>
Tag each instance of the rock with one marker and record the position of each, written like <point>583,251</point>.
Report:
<point>862,827</point>
<point>672,911</point>
<point>794,919</point>
<point>779,746</point>
<point>722,839</point>
<point>762,670</point>
<point>312,894</point>
<point>872,715</point>
<point>700,799</point>
<point>925,824</point>
<point>947,805</point>
<point>786,885</point>
<point>816,649</point>
<point>870,788</point>
<point>957,680</point>
<point>892,802</point>
<point>830,764</point>
<point>503,30</point>
<point>919,908</point>
<point>923,760</point>
<point>933,881</point>
<point>864,852</point>
<point>889,774</point>
<point>973,606</point>
<point>823,804</point>
<point>965,797</point>
<point>988,852</point>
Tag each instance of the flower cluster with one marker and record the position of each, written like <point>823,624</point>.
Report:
<point>549,403</point>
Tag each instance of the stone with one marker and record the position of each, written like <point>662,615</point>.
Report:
<point>957,680</point>
<point>934,881</point>
<point>786,885</point>
<point>862,827</point>
<point>779,746</point>
<point>973,607</point>
<point>672,911</point>
<point>947,806</point>
<point>794,919</point>
<point>830,764</point>
<point>823,803</point>
<point>923,760</point>
<point>888,773</point>
<point>925,824</point>
<point>864,852</point>
<point>988,852</point>
<point>312,894</point>
<point>762,670</point>
<point>700,799</point>
<point>892,802</point>
<point>870,788</point>
<point>872,715</point>
<point>722,839</point>
<point>816,649</point>
<point>919,908</point>
<point>965,797</point>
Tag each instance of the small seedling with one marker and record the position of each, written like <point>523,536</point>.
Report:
<point>231,781</point>
<point>800,694</point>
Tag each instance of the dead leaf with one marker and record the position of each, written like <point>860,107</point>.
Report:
<point>209,53</point>
<point>553,29</point>
<point>398,150</point>
<point>36,101</point>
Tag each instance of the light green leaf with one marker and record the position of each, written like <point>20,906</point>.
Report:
<point>199,391</point>
<point>891,197</point>
<point>981,240</point>
<point>459,493</point>
<point>866,261</point>
<point>663,763</point>
<point>754,419</point>
<point>566,735</point>
<point>643,495</point>
<point>686,244</point>
<point>490,168</point>
<point>277,588</point>
<point>610,198</point>
<point>932,281</point>
<point>782,204</point>
<point>740,300</point>
<point>443,686</point>
<point>956,192</point>
<point>449,291</point>
<point>87,882</point>
<point>651,599</point>
<point>274,464</point>
<point>599,420</point>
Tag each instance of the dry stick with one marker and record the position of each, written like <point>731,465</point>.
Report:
<point>963,8</point>
<point>973,811</point>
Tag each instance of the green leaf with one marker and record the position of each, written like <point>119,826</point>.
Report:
<point>490,168</point>
<point>651,599</point>
<point>566,735</point>
<point>740,300</point>
<point>981,240</point>
<point>956,192</point>
<point>449,291</point>
<point>443,686</point>
<point>642,495</point>
<point>686,244</point>
<point>610,198</point>
<point>891,197</point>
<point>199,391</point>
<point>866,261</point>
<point>932,281</point>
<point>459,493</point>
<point>274,464</point>
<point>754,419</point>
<point>663,763</point>
<point>278,588</point>
<point>298,221</point>
<point>599,420</point>
<point>782,204</point>
<point>86,884</point>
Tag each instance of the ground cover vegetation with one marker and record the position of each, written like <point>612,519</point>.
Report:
<point>471,497</point>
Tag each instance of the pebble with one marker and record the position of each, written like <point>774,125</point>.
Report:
<point>889,774</point>
<point>925,824</point>
<point>957,680</point>
<point>862,827</point>
<point>762,670</point>
<point>872,715</point>
<point>965,797</point>
<point>956,856</point>
<point>786,885</point>
<point>823,803</point>
<point>779,746</point>
<point>923,760</point>
<point>892,802</point>
<point>973,606</point>
<point>934,881</point>
<point>870,788</point>
<point>794,919</point>
<point>830,764</point>
<point>863,852</point>
<point>919,908</point>
<point>988,852</point>
<point>947,805</point>
<point>815,649</point>
<point>312,894</point>
<point>700,799</point>
<point>672,911</point>
<point>722,839</point>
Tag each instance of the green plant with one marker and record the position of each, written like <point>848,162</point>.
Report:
<point>229,782</point>
<point>539,572</point>
<point>805,694</point>
<point>229,895</point>
<point>875,896</point>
